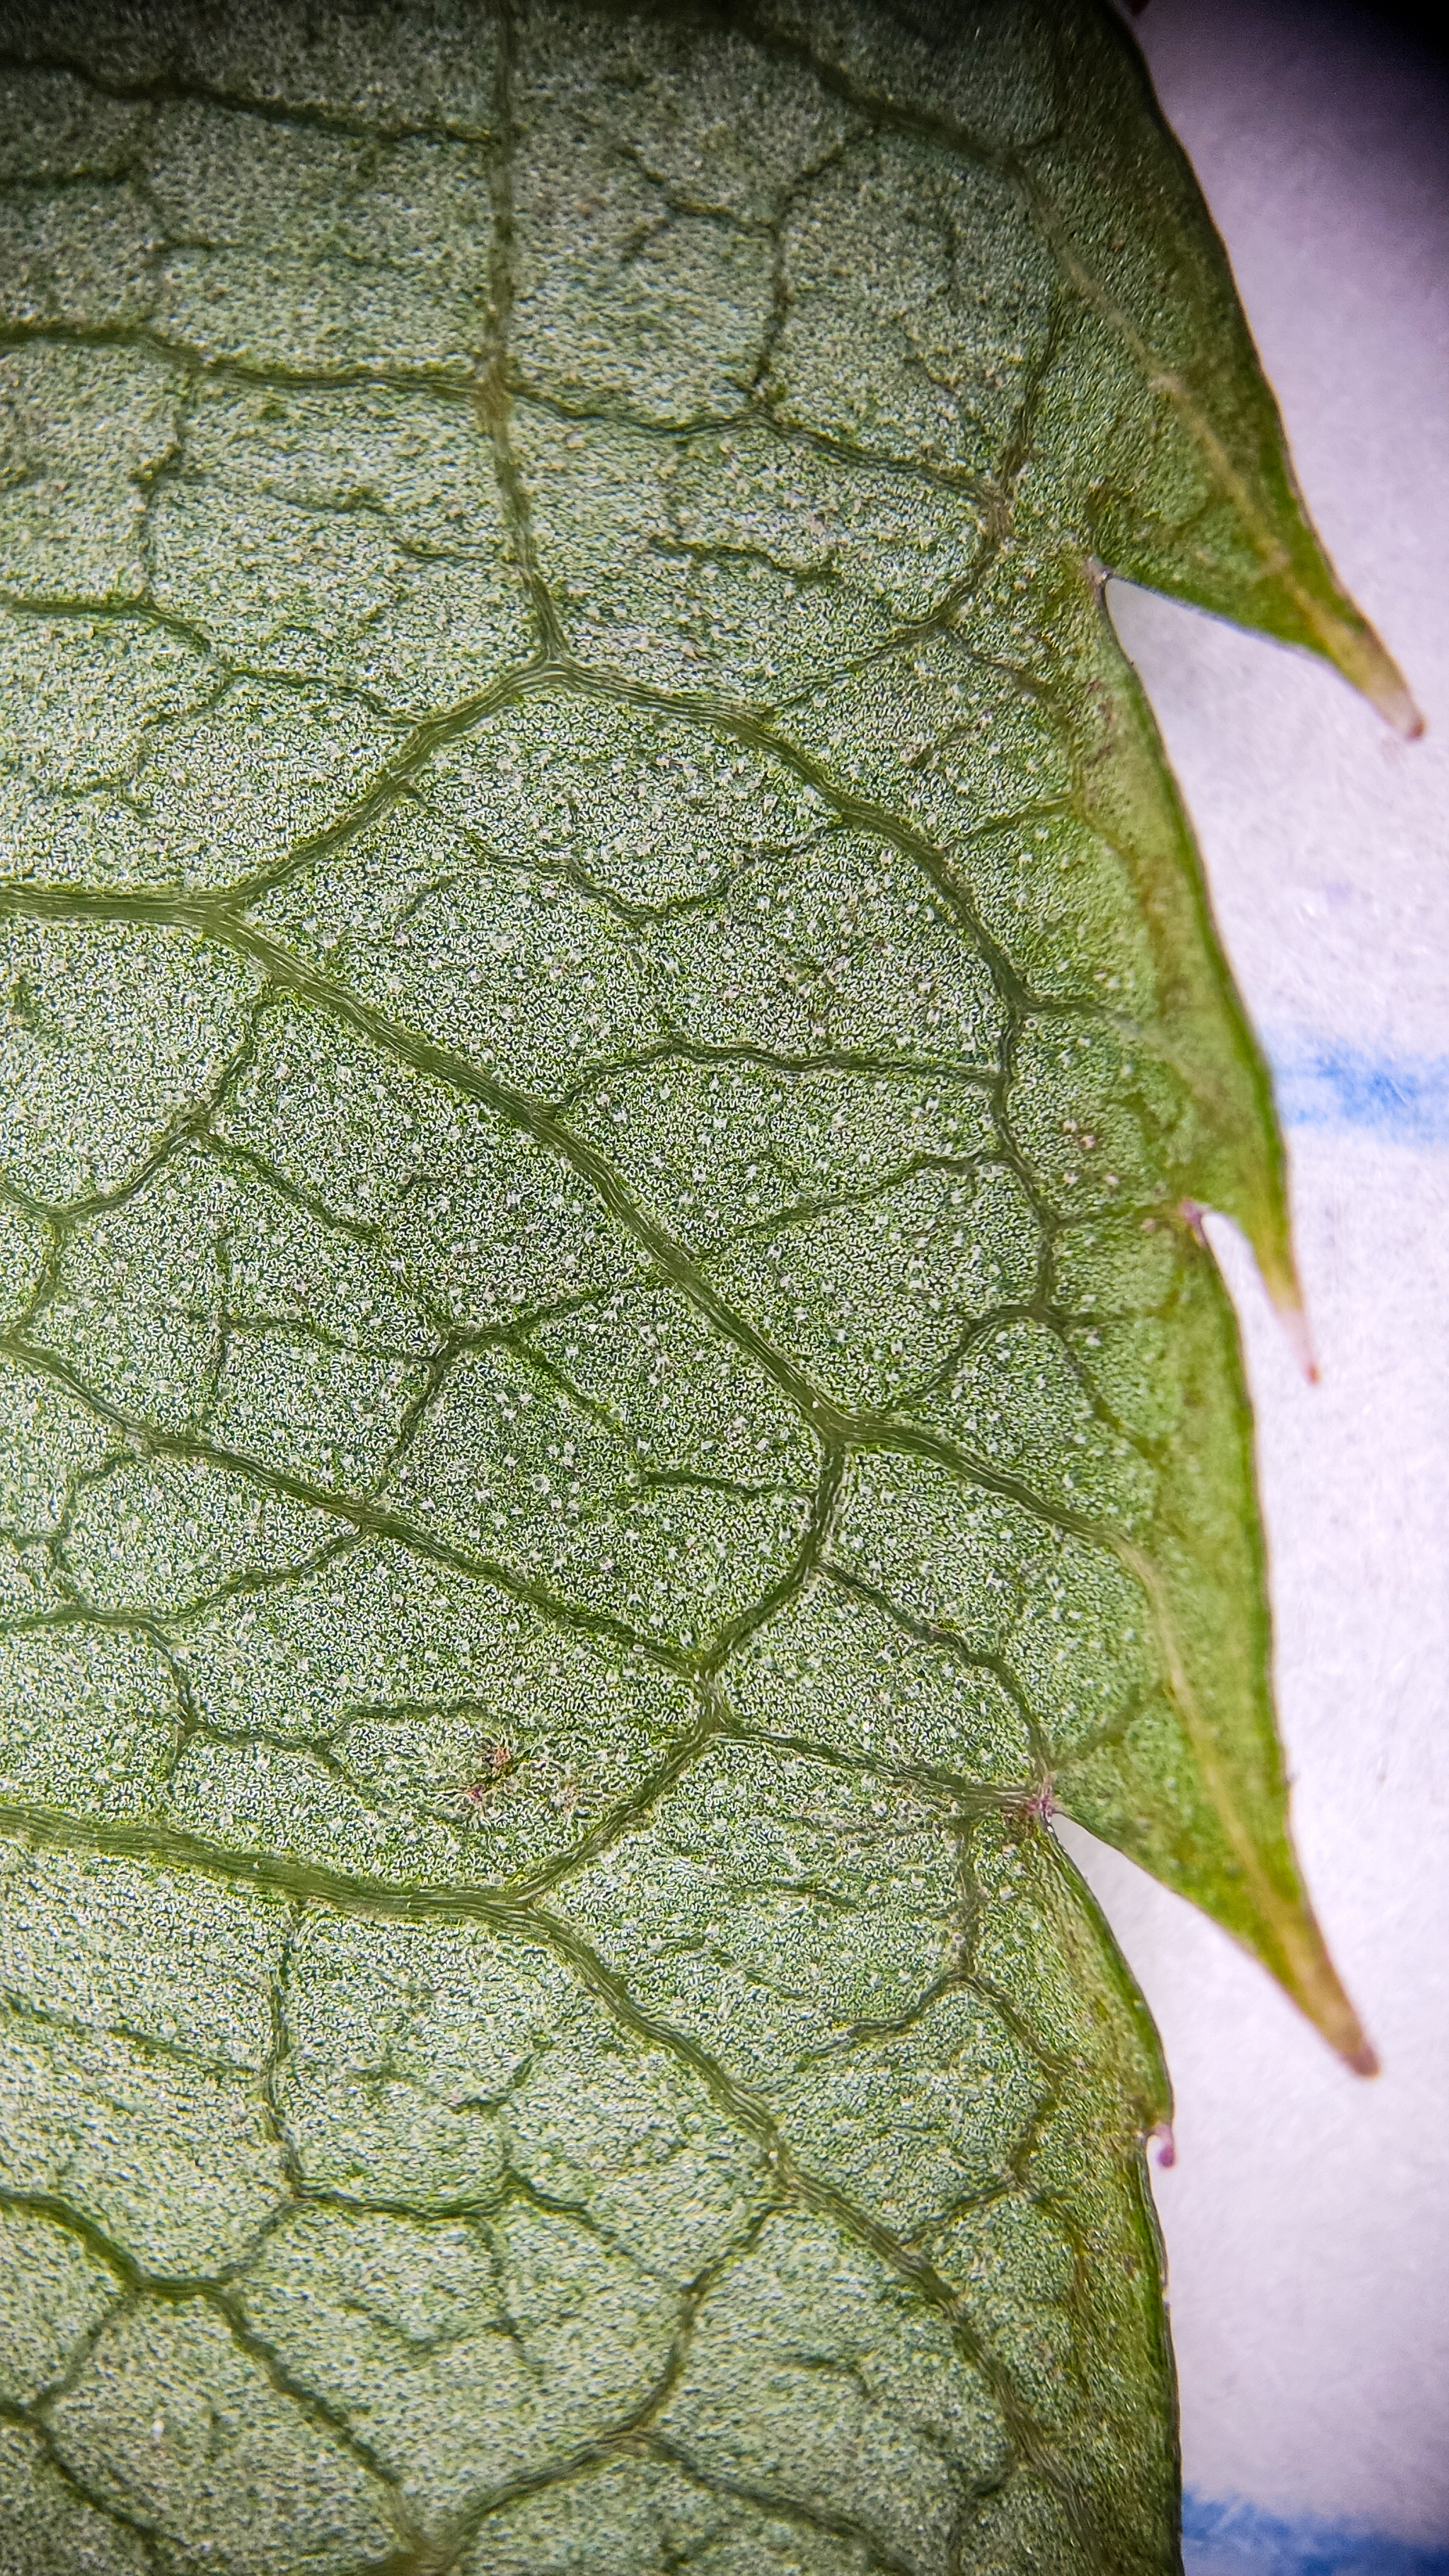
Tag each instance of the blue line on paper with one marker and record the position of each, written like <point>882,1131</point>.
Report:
<point>1235,2539</point>
<point>1402,1098</point>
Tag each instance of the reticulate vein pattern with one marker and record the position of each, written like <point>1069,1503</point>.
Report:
<point>610,1041</point>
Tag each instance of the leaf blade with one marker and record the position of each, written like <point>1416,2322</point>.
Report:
<point>610,1383</point>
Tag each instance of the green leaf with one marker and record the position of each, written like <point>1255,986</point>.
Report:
<point>612,1047</point>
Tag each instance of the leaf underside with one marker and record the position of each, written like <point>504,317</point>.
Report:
<point>612,1042</point>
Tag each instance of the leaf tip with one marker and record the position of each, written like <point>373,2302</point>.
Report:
<point>1352,646</point>
<point>1293,1318</point>
<point>1346,2035</point>
<point>1315,1986</point>
<point>1396,704</point>
<point>1375,672</point>
<point>1273,1251</point>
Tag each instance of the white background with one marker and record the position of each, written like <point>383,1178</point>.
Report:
<point>1306,2216</point>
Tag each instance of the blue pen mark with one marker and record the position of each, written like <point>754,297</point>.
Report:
<point>1402,1098</point>
<point>1235,2539</point>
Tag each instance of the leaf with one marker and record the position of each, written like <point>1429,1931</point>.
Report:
<point>610,1380</point>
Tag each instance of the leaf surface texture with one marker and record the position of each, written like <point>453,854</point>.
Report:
<point>612,1042</point>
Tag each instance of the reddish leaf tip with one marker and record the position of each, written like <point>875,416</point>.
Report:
<point>1292,1315</point>
<point>1403,715</point>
